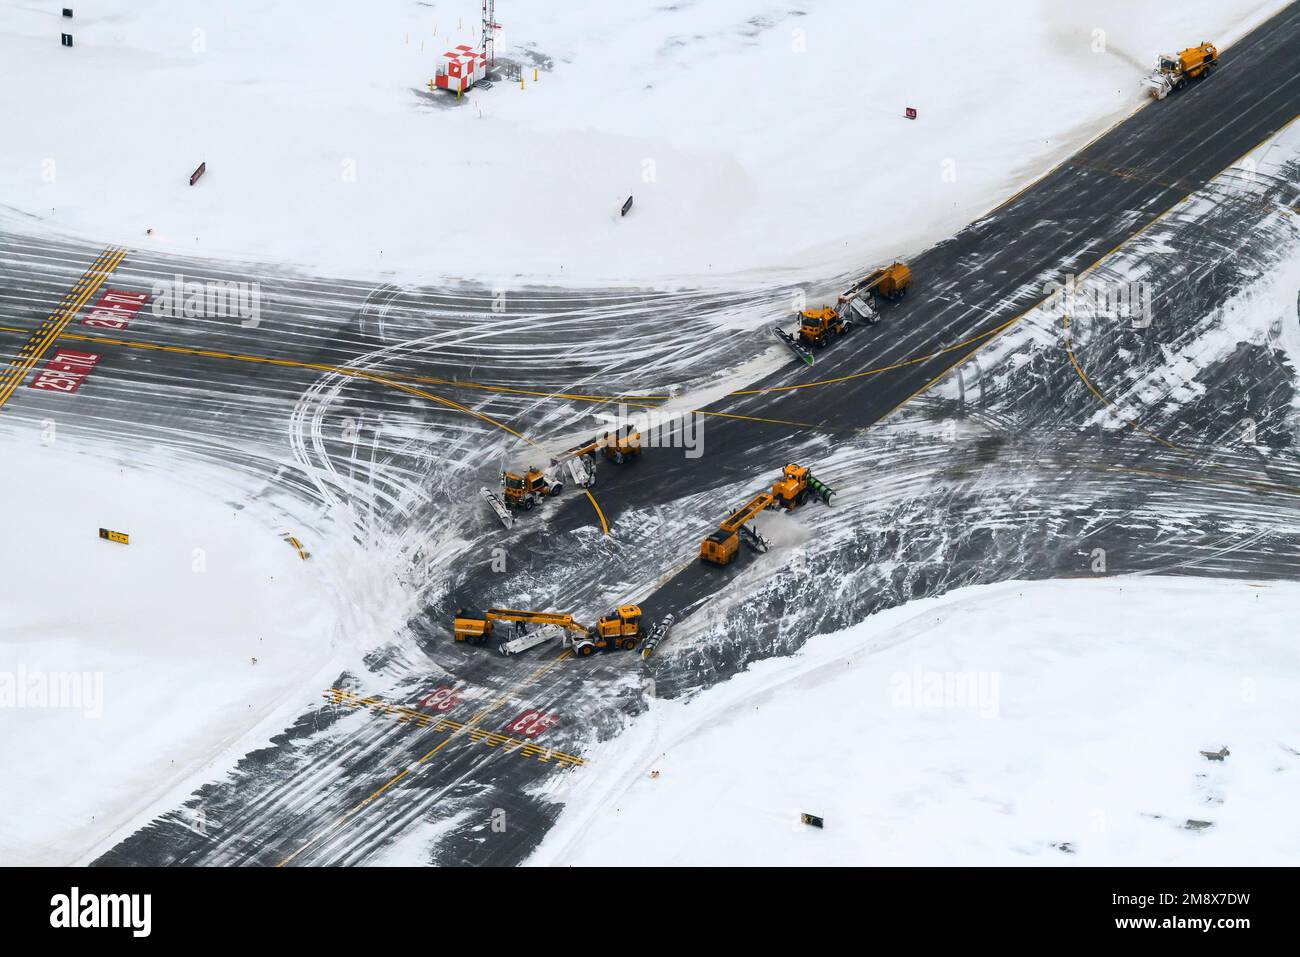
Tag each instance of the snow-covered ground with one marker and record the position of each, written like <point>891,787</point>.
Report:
<point>126,669</point>
<point>323,148</point>
<point>1056,722</point>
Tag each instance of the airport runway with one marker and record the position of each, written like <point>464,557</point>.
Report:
<point>389,405</point>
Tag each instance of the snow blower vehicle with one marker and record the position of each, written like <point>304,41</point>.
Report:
<point>795,486</point>
<point>620,629</point>
<point>1175,72</point>
<point>477,627</point>
<point>524,492</point>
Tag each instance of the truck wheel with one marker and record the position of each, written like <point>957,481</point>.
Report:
<point>1180,84</point>
<point>528,505</point>
<point>556,490</point>
<point>585,651</point>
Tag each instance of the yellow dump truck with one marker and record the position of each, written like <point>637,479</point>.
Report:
<point>1175,72</point>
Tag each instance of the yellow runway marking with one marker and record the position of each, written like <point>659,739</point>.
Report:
<point>603,524</point>
<point>1080,277</point>
<point>382,379</point>
<point>638,401</point>
<point>759,418</point>
<point>1065,325</point>
<point>1249,486</point>
<point>641,401</point>
<point>902,364</point>
<point>1069,350</point>
<point>465,729</point>
<point>52,328</point>
<point>438,723</point>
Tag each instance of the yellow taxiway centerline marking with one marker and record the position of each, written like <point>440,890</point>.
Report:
<point>603,524</point>
<point>1069,350</point>
<point>1183,477</point>
<point>385,380</point>
<point>1079,278</point>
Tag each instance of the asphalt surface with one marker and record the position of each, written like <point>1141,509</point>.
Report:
<point>970,287</point>
<point>337,362</point>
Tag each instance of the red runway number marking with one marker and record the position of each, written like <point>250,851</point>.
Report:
<point>442,698</point>
<point>115,309</point>
<point>532,723</point>
<point>66,371</point>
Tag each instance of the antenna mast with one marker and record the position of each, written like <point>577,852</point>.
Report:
<point>490,27</point>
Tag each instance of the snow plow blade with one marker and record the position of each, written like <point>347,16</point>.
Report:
<point>1156,85</point>
<point>656,637</point>
<point>498,506</point>
<point>754,539</point>
<point>797,347</point>
<point>530,640</point>
<point>582,472</point>
<point>820,488</point>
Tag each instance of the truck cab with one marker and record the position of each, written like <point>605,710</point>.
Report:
<point>471,626</point>
<point>817,325</point>
<point>791,489</point>
<point>621,445</point>
<point>621,628</point>
<point>524,491</point>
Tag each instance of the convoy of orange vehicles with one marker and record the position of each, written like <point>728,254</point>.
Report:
<point>622,627</point>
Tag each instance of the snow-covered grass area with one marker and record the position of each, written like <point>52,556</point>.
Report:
<point>166,627</point>
<point>756,136</point>
<point>1056,722</point>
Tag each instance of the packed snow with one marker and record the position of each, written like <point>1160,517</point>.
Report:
<point>1057,722</point>
<point>1260,312</point>
<point>324,147</point>
<point>125,669</point>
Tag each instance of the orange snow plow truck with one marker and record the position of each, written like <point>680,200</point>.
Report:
<point>1175,72</point>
